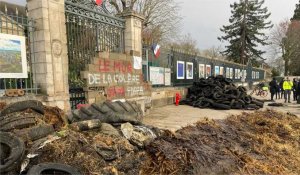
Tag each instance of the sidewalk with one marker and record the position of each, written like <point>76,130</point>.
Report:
<point>175,117</point>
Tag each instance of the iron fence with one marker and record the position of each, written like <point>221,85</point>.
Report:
<point>194,67</point>
<point>90,30</point>
<point>20,26</point>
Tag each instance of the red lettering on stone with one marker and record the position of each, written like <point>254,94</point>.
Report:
<point>120,90</point>
<point>104,66</point>
<point>117,66</point>
<point>111,92</point>
<point>129,67</point>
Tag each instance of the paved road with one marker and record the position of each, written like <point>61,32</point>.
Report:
<point>174,117</point>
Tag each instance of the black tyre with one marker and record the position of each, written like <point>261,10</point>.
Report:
<point>109,112</point>
<point>258,103</point>
<point>13,148</point>
<point>228,81</point>
<point>35,133</point>
<point>247,99</point>
<point>217,95</point>
<point>251,106</point>
<point>23,105</point>
<point>17,121</point>
<point>221,106</point>
<point>53,168</point>
<point>242,89</point>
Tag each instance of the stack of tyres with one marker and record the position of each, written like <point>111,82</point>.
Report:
<point>220,93</point>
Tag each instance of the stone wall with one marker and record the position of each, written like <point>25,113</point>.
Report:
<point>113,76</point>
<point>50,61</point>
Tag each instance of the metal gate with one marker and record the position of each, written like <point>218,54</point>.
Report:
<point>13,23</point>
<point>90,29</point>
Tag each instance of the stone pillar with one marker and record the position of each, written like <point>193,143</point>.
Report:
<point>133,32</point>
<point>50,50</point>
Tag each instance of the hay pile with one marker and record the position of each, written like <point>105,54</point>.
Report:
<point>89,152</point>
<point>258,143</point>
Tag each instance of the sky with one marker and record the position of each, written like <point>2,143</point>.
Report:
<point>204,18</point>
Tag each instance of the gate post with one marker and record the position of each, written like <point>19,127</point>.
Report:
<point>133,32</point>
<point>50,50</point>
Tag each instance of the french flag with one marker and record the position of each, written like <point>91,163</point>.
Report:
<point>98,2</point>
<point>156,50</point>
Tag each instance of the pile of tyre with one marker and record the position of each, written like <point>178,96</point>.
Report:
<point>18,126</point>
<point>109,112</point>
<point>219,93</point>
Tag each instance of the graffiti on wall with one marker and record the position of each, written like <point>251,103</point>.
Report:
<point>118,77</point>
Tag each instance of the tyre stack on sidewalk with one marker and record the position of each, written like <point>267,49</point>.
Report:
<point>220,93</point>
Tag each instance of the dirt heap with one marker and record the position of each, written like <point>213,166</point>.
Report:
<point>257,143</point>
<point>93,153</point>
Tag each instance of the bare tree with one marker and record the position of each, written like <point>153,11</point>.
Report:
<point>186,44</point>
<point>213,52</point>
<point>162,19</point>
<point>285,42</point>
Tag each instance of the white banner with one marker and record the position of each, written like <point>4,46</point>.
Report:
<point>137,62</point>
<point>157,75</point>
<point>167,76</point>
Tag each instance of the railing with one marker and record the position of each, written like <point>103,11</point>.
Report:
<point>19,26</point>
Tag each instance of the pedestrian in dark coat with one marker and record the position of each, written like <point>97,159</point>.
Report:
<point>278,91</point>
<point>281,88</point>
<point>273,88</point>
<point>295,85</point>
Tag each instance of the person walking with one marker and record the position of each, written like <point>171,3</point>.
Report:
<point>281,88</point>
<point>287,87</point>
<point>273,88</point>
<point>295,84</point>
<point>278,91</point>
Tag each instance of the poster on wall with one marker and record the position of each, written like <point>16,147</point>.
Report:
<point>217,70</point>
<point>189,70</point>
<point>201,70</point>
<point>231,73</point>
<point>137,62</point>
<point>221,70</point>
<point>157,75</point>
<point>13,63</point>
<point>167,76</point>
<point>180,70</point>
<point>208,71</point>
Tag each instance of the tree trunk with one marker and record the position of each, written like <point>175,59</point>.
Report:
<point>286,66</point>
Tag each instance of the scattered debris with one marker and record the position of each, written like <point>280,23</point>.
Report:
<point>108,129</point>
<point>55,117</point>
<point>263,142</point>
<point>137,135</point>
<point>219,93</point>
<point>276,104</point>
<point>2,105</point>
<point>86,125</point>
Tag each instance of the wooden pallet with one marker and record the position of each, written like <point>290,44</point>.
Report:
<point>14,92</point>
